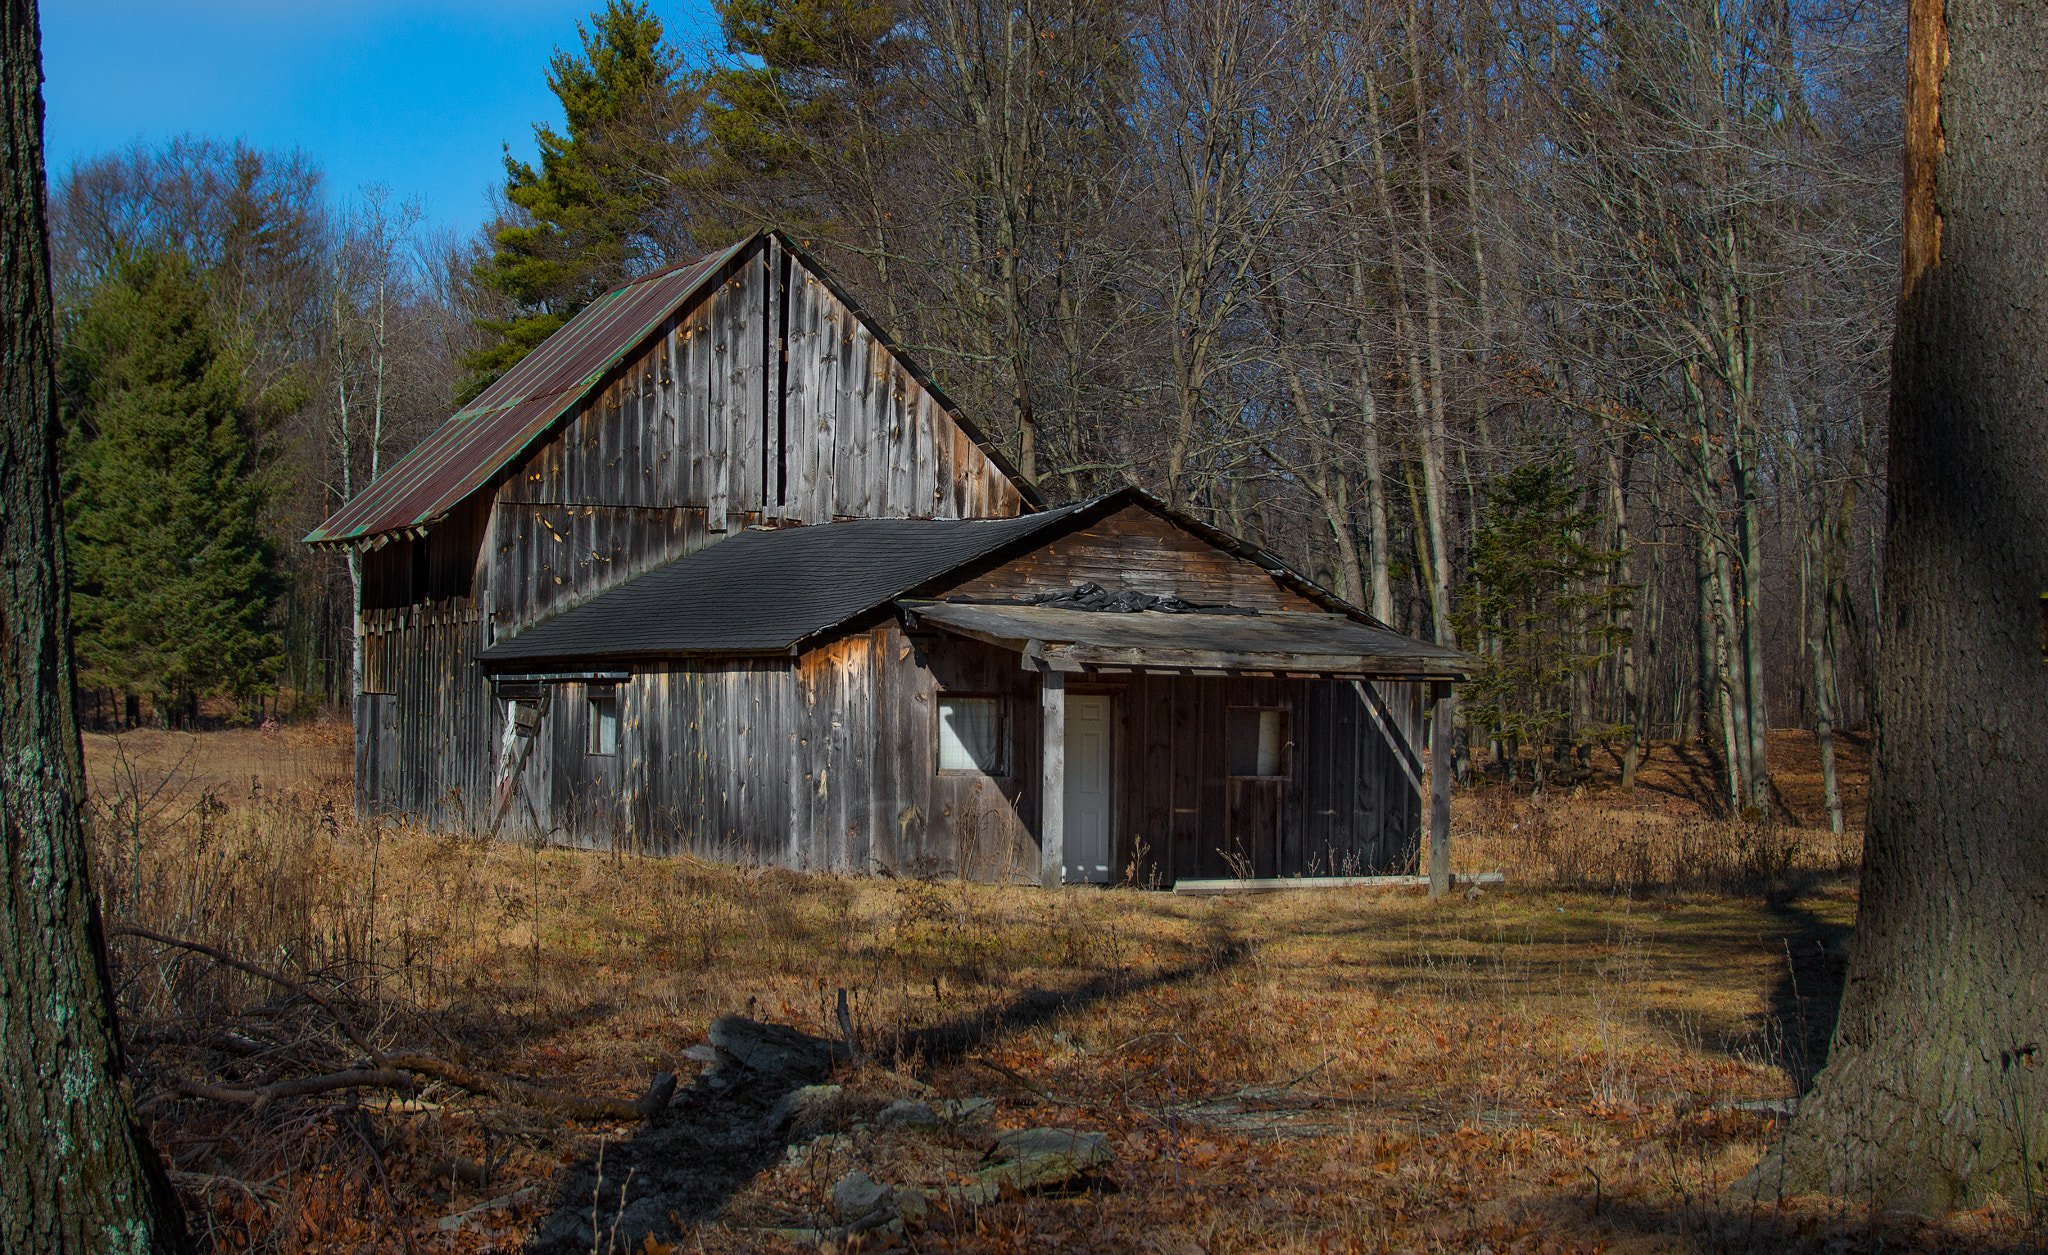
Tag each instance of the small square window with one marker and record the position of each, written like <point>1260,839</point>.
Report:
<point>604,719</point>
<point>1258,742</point>
<point>973,735</point>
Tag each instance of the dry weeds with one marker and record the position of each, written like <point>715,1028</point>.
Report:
<point>1549,1067</point>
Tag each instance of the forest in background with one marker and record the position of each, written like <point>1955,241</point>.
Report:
<point>1556,329</point>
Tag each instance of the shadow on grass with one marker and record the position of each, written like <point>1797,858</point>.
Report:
<point>1809,954</point>
<point>680,1168</point>
<point>1746,1224</point>
<point>1806,998</point>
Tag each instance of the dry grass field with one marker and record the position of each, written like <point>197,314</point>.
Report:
<point>1559,1064</point>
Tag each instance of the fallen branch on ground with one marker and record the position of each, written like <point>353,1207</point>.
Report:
<point>305,1086</point>
<point>395,1071</point>
<point>341,1021</point>
<point>1021,1080</point>
<point>578,1106</point>
<point>405,1071</point>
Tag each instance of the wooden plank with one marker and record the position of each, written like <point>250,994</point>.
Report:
<point>939,433</point>
<point>622,481</point>
<point>1282,884</point>
<point>776,434</point>
<point>739,365</point>
<point>1289,826</point>
<point>1383,720</point>
<point>1151,725</point>
<point>863,472</point>
<point>1221,661</point>
<point>709,358</point>
<point>816,421</point>
<point>901,428</point>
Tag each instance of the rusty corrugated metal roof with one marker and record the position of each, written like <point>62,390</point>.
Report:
<point>479,439</point>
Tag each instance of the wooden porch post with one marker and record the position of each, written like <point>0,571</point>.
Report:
<point>1440,790</point>
<point>1052,779</point>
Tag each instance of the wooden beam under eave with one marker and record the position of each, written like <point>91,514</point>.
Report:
<point>1073,657</point>
<point>1052,779</point>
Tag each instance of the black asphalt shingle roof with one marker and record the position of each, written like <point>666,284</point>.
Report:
<point>763,591</point>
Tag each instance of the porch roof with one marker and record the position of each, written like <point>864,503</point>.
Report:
<point>1148,640</point>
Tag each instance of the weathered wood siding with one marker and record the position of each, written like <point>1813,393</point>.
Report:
<point>1344,808</point>
<point>1136,549</point>
<point>424,709</point>
<point>704,431</point>
<point>821,763</point>
<point>707,431</point>
<point>829,762</point>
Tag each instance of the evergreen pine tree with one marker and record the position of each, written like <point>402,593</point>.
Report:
<point>573,236</point>
<point>1541,610</point>
<point>816,77</point>
<point>173,581</point>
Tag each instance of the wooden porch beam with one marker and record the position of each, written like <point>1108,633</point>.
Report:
<point>1440,789</point>
<point>1075,656</point>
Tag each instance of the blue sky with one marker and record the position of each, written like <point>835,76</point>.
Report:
<point>419,95</point>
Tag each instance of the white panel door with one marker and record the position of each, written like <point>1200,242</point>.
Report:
<point>1091,789</point>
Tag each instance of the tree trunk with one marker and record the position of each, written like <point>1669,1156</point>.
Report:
<point>1625,619</point>
<point>1377,533</point>
<point>81,1175</point>
<point>1935,1094</point>
<point>1756,768</point>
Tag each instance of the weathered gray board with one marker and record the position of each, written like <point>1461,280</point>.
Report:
<point>1285,884</point>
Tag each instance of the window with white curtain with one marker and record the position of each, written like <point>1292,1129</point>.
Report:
<point>972,735</point>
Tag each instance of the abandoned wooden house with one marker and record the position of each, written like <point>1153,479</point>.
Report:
<point>717,569</point>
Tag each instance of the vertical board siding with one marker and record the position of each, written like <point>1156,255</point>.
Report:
<point>1136,549</point>
<point>1344,807</point>
<point>671,452</point>
<point>829,762</point>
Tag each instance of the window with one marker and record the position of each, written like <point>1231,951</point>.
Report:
<point>1258,742</point>
<point>604,719</point>
<point>973,735</point>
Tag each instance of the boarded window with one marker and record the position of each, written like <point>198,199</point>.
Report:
<point>604,719</point>
<point>973,735</point>
<point>1258,742</point>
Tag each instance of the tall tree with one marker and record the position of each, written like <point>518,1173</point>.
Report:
<point>81,1175</point>
<point>173,578</point>
<point>1935,1094</point>
<point>372,310</point>
<point>576,225</point>
<point>1546,601</point>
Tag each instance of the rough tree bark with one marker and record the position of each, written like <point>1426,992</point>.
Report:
<point>1936,1090</point>
<point>81,1175</point>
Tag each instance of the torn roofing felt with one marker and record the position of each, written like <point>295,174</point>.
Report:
<point>763,591</point>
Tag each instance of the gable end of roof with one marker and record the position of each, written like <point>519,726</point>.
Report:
<point>479,441</point>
